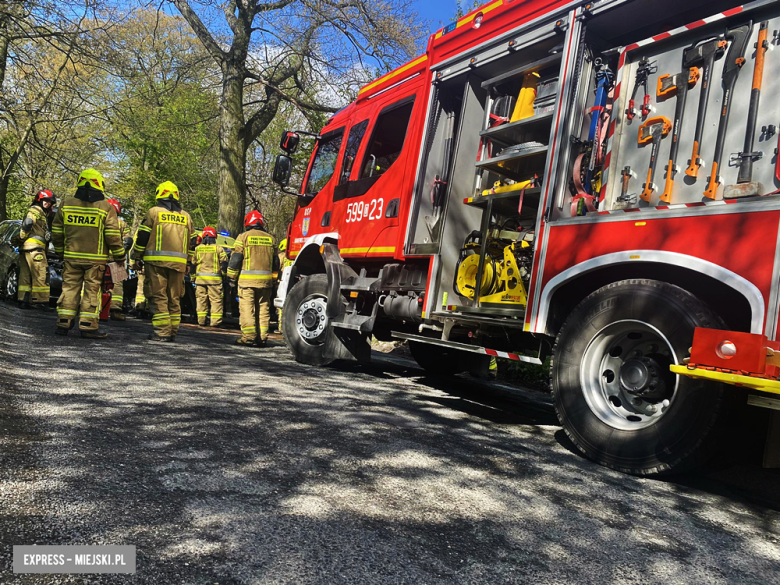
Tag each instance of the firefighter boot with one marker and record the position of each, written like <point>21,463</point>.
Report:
<point>64,330</point>
<point>117,315</point>
<point>93,334</point>
<point>25,304</point>
<point>155,337</point>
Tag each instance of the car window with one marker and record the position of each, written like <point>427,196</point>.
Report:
<point>350,152</point>
<point>324,161</point>
<point>4,227</point>
<point>387,139</point>
<point>14,231</point>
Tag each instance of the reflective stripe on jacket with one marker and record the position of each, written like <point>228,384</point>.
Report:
<point>87,232</point>
<point>169,238</point>
<point>257,267</point>
<point>208,262</point>
<point>35,239</point>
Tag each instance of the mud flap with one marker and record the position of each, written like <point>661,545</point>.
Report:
<point>348,345</point>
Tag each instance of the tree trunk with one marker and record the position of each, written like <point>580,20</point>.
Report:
<point>232,159</point>
<point>4,182</point>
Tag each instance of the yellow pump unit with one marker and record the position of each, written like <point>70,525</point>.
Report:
<point>501,276</point>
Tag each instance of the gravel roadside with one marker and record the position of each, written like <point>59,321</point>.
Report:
<point>225,464</point>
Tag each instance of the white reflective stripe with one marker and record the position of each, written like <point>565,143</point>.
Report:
<point>207,274</point>
<point>165,253</point>
<point>256,272</point>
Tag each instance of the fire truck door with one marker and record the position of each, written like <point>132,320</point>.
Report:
<point>366,204</point>
<point>313,212</point>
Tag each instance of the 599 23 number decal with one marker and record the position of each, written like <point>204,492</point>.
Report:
<point>365,210</point>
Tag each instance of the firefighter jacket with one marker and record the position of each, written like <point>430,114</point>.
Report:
<point>255,248</point>
<point>163,237</point>
<point>208,265</point>
<point>86,229</point>
<point>35,237</point>
<point>124,229</point>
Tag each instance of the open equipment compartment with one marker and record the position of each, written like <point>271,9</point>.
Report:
<point>629,168</point>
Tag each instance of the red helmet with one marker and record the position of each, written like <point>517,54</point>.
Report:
<point>45,195</point>
<point>254,218</point>
<point>116,204</point>
<point>209,231</point>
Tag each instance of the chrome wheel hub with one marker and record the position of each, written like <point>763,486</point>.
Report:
<point>625,377</point>
<point>311,320</point>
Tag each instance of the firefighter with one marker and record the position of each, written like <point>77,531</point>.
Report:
<point>162,249</point>
<point>142,288</point>
<point>35,236</point>
<point>283,263</point>
<point>209,268</point>
<point>251,267</point>
<point>85,234</point>
<point>118,292</point>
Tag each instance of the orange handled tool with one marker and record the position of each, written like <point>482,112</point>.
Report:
<point>668,85</point>
<point>745,186</point>
<point>652,130</point>
<point>734,61</point>
<point>704,55</point>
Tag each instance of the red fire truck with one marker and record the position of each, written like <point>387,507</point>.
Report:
<point>593,182</point>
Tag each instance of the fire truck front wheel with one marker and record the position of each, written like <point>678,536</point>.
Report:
<point>612,388</point>
<point>305,326</point>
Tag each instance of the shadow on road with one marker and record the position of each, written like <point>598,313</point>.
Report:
<point>237,465</point>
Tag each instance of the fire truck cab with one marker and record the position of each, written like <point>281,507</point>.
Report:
<point>520,191</point>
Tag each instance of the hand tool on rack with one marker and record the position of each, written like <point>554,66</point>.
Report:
<point>745,186</point>
<point>734,61</point>
<point>643,71</point>
<point>582,202</point>
<point>669,85</point>
<point>624,197</point>
<point>703,54</point>
<point>652,130</point>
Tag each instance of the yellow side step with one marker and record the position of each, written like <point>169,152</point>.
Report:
<point>759,384</point>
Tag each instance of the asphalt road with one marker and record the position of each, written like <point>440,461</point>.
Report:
<point>225,464</point>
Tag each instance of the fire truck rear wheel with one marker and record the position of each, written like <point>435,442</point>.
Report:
<point>612,389</point>
<point>437,360</point>
<point>305,325</point>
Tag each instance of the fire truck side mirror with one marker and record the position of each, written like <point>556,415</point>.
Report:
<point>282,170</point>
<point>289,142</point>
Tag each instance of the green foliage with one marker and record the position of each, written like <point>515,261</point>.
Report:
<point>163,124</point>
<point>530,375</point>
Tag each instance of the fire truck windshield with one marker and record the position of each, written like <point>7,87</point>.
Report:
<point>324,161</point>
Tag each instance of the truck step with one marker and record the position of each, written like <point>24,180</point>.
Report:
<point>467,347</point>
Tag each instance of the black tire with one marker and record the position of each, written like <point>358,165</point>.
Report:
<point>439,361</point>
<point>11,281</point>
<point>312,351</point>
<point>679,436</point>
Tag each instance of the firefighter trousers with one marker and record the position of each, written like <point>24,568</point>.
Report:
<point>32,276</point>
<point>166,288</point>
<point>72,302</point>
<point>254,305</point>
<point>142,293</point>
<point>117,296</point>
<point>209,294</point>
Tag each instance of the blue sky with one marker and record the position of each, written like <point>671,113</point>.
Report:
<point>439,12</point>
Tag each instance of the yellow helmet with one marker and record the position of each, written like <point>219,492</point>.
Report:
<point>167,189</point>
<point>92,178</point>
<point>283,245</point>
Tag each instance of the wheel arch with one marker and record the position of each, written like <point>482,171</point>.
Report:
<point>735,299</point>
<point>308,261</point>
